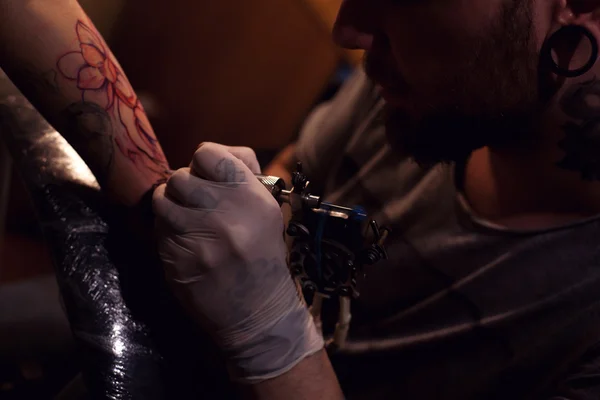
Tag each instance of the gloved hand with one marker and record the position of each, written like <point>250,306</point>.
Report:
<point>220,239</point>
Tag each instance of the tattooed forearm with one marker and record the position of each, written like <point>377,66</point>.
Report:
<point>581,144</point>
<point>102,82</point>
<point>66,70</point>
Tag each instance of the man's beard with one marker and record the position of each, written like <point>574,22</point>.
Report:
<point>491,102</point>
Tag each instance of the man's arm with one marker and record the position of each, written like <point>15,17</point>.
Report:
<point>55,56</point>
<point>312,378</point>
<point>283,164</point>
<point>267,336</point>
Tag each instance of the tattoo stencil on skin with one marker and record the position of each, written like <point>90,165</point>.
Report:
<point>102,82</point>
<point>582,138</point>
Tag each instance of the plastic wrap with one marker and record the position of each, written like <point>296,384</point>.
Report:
<point>135,342</point>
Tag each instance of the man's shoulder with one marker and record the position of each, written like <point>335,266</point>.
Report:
<point>329,128</point>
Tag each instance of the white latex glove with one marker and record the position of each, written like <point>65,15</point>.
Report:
<point>220,239</point>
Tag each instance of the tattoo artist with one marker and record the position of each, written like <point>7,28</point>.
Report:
<point>491,290</point>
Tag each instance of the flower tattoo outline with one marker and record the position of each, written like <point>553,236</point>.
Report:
<point>101,81</point>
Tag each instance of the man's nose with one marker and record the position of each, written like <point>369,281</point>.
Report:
<point>351,27</point>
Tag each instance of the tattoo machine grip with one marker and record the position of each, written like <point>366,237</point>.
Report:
<point>296,197</point>
<point>274,184</point>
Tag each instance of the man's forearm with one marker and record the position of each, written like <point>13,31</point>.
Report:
<point>55,56</point>
<point>283,164</point>
<point>312,378</point>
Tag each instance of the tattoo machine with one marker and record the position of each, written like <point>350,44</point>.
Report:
<point>331,247</point>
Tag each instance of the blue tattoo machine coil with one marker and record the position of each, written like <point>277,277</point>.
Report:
<point>331,247</point>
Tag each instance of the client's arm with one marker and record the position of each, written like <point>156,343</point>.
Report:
<point>54,55</point>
